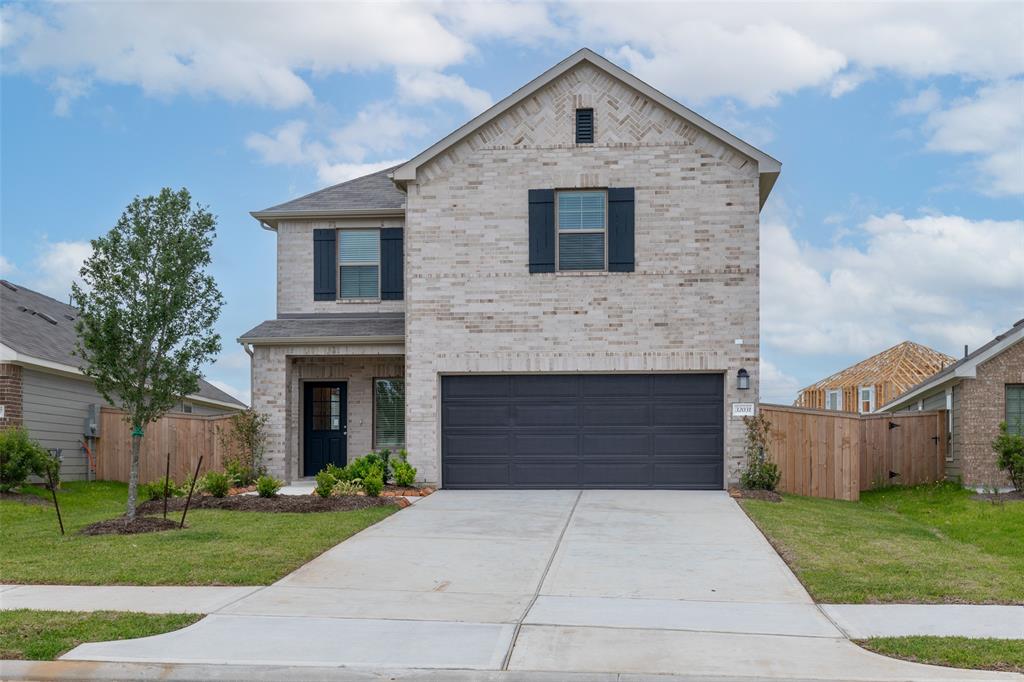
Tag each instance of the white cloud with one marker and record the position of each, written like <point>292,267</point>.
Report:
<point>333,173</point>
<point>775,385</point>
<point>940,280</point>
<point>7,268</point>
<point>924,102</point>
<point>989,126</point>
<point>67,90</point>
<point>55,267</point>
<point>428,86</point>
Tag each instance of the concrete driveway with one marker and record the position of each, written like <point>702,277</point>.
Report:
<point>561,581</point>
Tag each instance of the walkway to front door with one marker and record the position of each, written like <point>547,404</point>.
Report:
<point>325,425</point>
<point>653,581</point>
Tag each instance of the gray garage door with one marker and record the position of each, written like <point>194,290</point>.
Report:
<point>582,431</point>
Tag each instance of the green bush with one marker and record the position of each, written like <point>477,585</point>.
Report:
<point>761,473</point>
<point>363,466</point>
<point>216,483</point>
<point>405,473</point>
<point>155,490</point>
<point>338,473</point>
<point>373,482</point>
<point>1009,448</point>
<point>325,483</point>
<point>268,486</point>
<point>21,456</point>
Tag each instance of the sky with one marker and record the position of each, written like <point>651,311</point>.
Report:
<point>899,213</point>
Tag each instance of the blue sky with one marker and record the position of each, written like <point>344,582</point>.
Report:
<point>899,213</point>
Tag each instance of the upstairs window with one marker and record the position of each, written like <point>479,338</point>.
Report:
<point>584,126</point>
<point>867,399</point>
<point>582,230</point>
<point>359,263</point>
<point>834,400</point>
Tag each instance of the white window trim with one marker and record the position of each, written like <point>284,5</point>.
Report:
<point>337,275</point>
<point>839,399</point>
<point>871,399</point>
<point>559,230</point>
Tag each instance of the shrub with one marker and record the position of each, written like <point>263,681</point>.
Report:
<point>363,466</point>
<point>761,473</point>
<point>405,473</point>
<point>342,488</point>
<point>247,437</point>
<point>338,473</point>
<point>216,483</point>
<point>325,483</point>
<point>1009,448</point>
<point>267,486</point>
<point>21,456</point>
<point>373,482</point>
<point>155,490</point>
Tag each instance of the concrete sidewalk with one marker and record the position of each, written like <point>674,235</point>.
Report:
<point>120,598</point>
<point>861,621</point>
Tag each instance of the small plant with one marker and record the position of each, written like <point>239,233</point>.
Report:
<point>325,483</point>
<point>268,486</point>
<point>761,473</point>
<point>405,473</point>
<point>245,437</point>
<point>338,473</point>
<point>21,456</point>
<point>216,483</point>
<point>155,490</point>
<point>1009,448</point>
<point>343,488</point>
<point>373,482</point>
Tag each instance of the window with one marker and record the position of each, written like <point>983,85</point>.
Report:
<point>186,407</point>
<point>581,230</point>
<point>867,399</point>
<point>359,263</point>
<point>389,413</point>
<point>326,408</point>
<point>584,126</point>
<point>833,400</point>
<point>1015,408</point>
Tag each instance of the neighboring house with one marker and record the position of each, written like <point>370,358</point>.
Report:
<point>982,389</point>
<point>871,383</point>
<point>562,293</point>
<point>41,386</point>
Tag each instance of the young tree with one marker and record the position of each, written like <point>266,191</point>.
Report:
<point>146,314</point>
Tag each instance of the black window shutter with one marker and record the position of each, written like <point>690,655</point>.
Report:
<point>621,224</point>
<point>391,264</point>
<point>542,230</point>
<point>584,126</point>
<point>325,258</point>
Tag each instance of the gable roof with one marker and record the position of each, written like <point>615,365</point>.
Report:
<point>965,367</point>
<point>902,366</point>
<point>768,167</point>
<point>41,330</point>
<point>373,194</point>
<point>304,328</point>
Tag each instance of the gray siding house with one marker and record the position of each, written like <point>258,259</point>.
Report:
<point>562,293</point>
<point>41,386</point>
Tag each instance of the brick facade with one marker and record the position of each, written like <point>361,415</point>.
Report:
<point>472,305</point>
<point>979,406</point>
<point>11,394</point>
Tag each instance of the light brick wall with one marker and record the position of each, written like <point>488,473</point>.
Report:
<point>981,406</point>
<point>295,268</point>
<point>11,394</point>
<point>472,305</point>
<point>277,375</point>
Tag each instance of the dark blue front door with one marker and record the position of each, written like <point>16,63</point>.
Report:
<point>325,426</point>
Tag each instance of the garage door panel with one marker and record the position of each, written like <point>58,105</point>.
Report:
<point>476,386</point>
<point>686,414</point>
<point>692,474</point>
<point>614,385</point>
<point>545,444</point>
<point>616,473</point>
<point>616,414</point>
<point>475,472</point>
<point>483,444</point>
<point>687,445</point>
<point>621,444</point>
<point>546,473</point>
<point>707,385</point>
<point>546,414</point>
<point>477,415</point>
<point>545,386</point>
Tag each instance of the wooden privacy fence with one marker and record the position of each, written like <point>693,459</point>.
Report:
<point>838,454</point>
<point>185,436</point>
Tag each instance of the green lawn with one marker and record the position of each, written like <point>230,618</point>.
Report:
<point>45,635</point>
<point>958,652</point>
<point>216,548</point>
<point>928,544</point>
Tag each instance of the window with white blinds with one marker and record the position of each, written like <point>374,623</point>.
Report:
<point>389,413</point>
<point>1015,408</point>
<point>359,263</point>
<point>582,230</point>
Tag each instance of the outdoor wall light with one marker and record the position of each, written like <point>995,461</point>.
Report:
<point>742,380</point>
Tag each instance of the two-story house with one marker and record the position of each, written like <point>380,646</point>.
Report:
<point>562,293</point>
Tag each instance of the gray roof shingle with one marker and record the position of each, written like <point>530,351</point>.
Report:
<point>38,326</point>
<point>373,192</point>
<point>326,326</point>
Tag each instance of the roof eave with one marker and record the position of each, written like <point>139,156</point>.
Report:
<point>270,219</point>
<point>318,340</point>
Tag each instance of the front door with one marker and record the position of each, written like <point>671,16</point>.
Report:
<point>325,426</point>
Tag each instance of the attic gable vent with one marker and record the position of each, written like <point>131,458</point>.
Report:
<point>584,126</point>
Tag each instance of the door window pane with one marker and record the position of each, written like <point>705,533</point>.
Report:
<point>326,408</point>
<point>389,413</point>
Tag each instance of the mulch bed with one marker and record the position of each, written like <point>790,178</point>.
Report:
<point>25,498</point>
<point>122,526</point>
<point>763,495</point>
<point>281,503</point>
<point>1012,496</point>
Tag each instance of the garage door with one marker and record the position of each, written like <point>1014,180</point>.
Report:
<point>582,431</point>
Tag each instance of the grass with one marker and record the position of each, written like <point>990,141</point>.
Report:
<point>45,635</point>
<point>925,544</point>
<point>216,548</point>
<point>957,652</point>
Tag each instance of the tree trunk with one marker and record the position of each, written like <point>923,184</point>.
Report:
<point>133,477</point>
